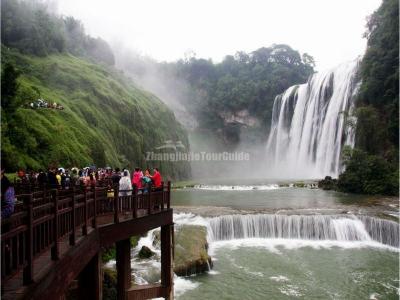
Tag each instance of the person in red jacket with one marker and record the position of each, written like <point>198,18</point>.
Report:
<point>156,178</point>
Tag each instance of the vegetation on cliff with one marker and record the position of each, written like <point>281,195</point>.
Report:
<point>232,96</point>
<point>373,166</point>
<point>106,119</point>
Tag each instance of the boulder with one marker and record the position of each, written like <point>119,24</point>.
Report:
<point>145,252</point>
<point>191,256</point>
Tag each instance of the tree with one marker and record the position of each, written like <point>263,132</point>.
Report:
<point>9,88</point>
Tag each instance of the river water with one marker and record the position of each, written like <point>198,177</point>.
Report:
<point>346,260</point>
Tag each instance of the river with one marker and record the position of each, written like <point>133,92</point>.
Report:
<point>269,240</point>
<point>343,261</point>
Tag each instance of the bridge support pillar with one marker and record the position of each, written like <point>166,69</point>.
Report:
<point>91,280</point>
<point>167,250</point>
<point>123,260</point>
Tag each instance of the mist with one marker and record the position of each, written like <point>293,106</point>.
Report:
<point>135,42</point>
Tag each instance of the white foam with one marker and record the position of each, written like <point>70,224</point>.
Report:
<point>212,272</point>
<point>182,285</point>
<point>291,290</point>
<point>374,296</point>
<point>190,219</point>
<point>275,245</point>
<point>279,278</point>
<point>236,187</point>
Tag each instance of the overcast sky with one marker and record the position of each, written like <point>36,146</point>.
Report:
<point>329,30</point>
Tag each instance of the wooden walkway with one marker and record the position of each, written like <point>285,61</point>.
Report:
<point>48,226</point>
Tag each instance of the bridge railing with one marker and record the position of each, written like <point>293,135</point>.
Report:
<point>42,218</point>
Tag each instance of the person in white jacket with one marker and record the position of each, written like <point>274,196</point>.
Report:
<point>125,185</point>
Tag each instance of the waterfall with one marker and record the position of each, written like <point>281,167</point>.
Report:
<point>316,227</point>
<point>308,125</point>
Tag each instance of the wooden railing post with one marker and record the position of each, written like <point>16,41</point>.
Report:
<point>28,270</point>
<point>86,212</point>
<point>72,236</point>
<point>162,196</point>
<point>94,224</point>
<point>123,264</point>
<point>169,195</point>
<point>55,252</point>
<point>134,202</point>
<point>149,203</point>
<point>167,232</point>
<point>116,204</point>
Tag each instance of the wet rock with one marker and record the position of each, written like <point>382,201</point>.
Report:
<point>191,256</point>
<point>145,252</point>
<point>109,284</point>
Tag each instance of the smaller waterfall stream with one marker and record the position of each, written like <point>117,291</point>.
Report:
<point>316,227</point>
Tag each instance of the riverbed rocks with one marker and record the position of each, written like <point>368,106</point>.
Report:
<point>191,249</point>
<point>145,252</point>
<point>191,256</point>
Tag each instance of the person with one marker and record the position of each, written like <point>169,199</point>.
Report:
<point>125,185</point>
<point>58,177</point>
<point>91,181</point>
<point>7,197</point>
<point>51,178</point>
<point>67,180</point>
<point>32,177</point>
<point>146,180</point>
<point>116,177</point>
<point>157,179</point>
<point>74,178</point>
<point>42,178</point>
<point>137,178</point>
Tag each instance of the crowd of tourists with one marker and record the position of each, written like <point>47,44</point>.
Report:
<point>61,178</point>
<point>41,103</point>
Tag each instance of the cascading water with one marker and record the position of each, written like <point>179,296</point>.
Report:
<point>317,227</point>
<point>308,125</point>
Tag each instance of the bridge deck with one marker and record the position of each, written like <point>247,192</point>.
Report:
<point>31,229</point>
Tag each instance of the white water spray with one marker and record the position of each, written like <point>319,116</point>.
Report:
<point>308,125</point>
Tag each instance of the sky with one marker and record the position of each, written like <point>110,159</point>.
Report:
<point>329,30</point>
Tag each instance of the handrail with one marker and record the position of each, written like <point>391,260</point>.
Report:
<point>45,217</point>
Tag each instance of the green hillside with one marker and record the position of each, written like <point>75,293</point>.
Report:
<point>106,120</point>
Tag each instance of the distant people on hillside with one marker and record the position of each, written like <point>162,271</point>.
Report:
<point>125,185</point>
<point>7,196</point>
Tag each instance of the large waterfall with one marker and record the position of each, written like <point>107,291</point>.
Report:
<point>308,125</point>
<point>315,227</point>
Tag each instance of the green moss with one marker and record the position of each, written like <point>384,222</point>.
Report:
<point>299,184</point>
<point>109,253</point>
<point>109,284</point>
<point>183,184</point>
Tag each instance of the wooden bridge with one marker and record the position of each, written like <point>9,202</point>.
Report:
<point>55,237</point>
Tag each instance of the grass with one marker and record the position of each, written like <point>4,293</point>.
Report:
<point>106,120</point>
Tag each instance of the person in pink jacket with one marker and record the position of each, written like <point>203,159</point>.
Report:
<point>137,178</point>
